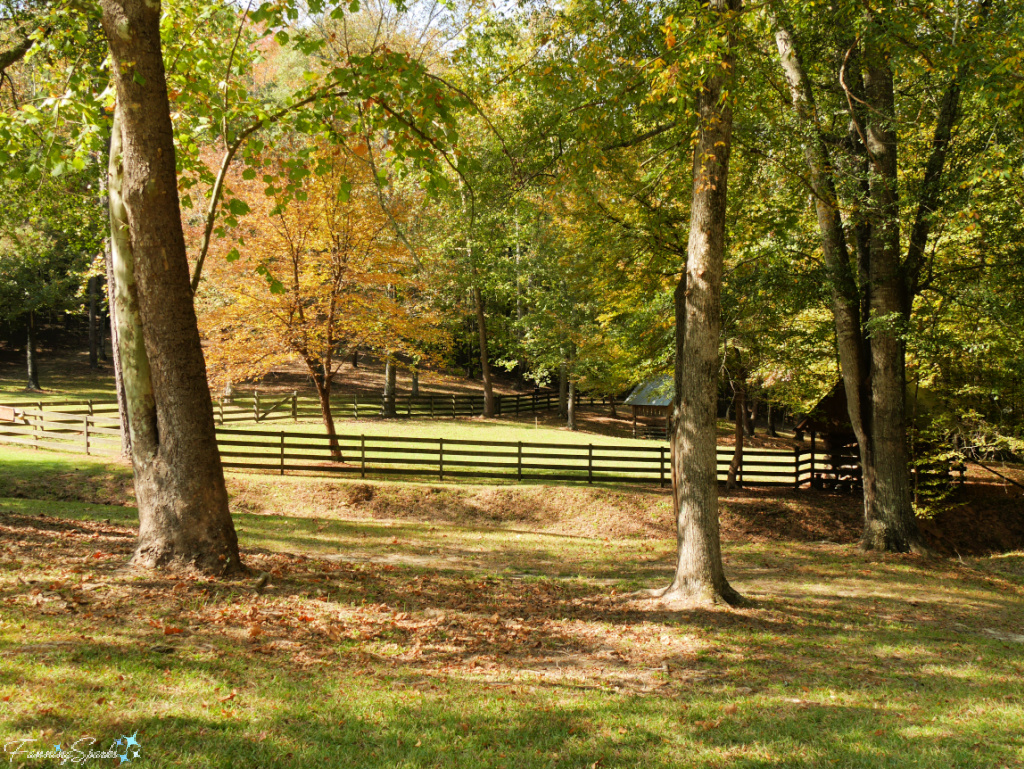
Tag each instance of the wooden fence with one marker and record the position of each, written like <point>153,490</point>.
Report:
<point>260,408</point>
<point>255,450</point>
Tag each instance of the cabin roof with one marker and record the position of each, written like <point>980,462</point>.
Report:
<point>658,391</point>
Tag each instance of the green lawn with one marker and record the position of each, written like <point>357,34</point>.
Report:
<point>390,643</point>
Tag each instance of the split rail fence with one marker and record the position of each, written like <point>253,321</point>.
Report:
<point>370,456</point>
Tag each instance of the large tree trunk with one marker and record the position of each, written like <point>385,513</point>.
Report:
<point>179,481</point>
<point>889,517</point>
<point>94,323</point>
<point>414,390</point>
<point>700,577</point>
<point>485,363</point>
<point>30,354</point>
<point>390,388</point>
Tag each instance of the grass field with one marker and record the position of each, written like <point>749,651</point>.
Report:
<point>492,637</point>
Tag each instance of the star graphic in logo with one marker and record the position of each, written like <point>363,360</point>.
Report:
<point>123,757</point>
<point>129,741</point>
<point>57,748</point>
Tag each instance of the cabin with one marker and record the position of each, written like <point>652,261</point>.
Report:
<point>652,399</point>
<point>829,421</point>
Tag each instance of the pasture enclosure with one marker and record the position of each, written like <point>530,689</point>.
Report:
<point>375,456</point>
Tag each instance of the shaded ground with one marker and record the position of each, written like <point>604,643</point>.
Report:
<point>843,659</point>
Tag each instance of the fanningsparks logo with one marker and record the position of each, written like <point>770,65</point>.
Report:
<point>124,749</point>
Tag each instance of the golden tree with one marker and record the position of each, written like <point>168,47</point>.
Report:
<point>320,270</point>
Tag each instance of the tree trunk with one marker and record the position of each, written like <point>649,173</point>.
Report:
<point>740,401</point>
<point>94,323</point>
<point>30,354</point>
<point>889,523</point>
<point>355,359</point>
<point>122,401</point>
<point>563,391</point>
<point>390,387</point>
<point>749,416</point>
<point>772,418</point>
<point>415,388</point>
<point>323,393</point>
<point>863,361</point>
<point>700,577</point>
<point>570,410</point>
<point>485,364</point>
<point>179,482</point>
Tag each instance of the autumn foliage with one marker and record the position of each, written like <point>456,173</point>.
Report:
<point>316,271</point>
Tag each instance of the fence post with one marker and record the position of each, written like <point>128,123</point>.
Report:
<point>221,404</point>
<point>440,460</point>
<point>662,466</point>
<point>453,406</point>
<point>85,432</point>
<point>355,405</point>
<point>812,458</point>
<point>282,452</point>
<point>590,464</point>
<point>90,407</point>
<point>796,467</point>
<point>362,456</point>
<point>518,396</point>
<point>534,409</point>
<point>39,427</point>
<point>519,463</point>
<point>431,405</point>
<point>256,406</point>
<point>295,406</point>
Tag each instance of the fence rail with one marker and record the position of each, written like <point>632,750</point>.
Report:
<point>282,451</point>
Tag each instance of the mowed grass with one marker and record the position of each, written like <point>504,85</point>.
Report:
<point>386,643</point>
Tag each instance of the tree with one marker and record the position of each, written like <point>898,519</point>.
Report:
<point>874,284</point>
<point>50,229</point>
<point>179,482</point>
<point>321,272</point>
<point>699,573</point>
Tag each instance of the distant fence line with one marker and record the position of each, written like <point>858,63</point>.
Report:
<point>281,452</point>
<point>260,408</point>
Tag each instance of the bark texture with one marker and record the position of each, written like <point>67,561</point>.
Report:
<point>889,518</point>
<point>122,402</point>
<point>179,481</point>
<point>700,577</point>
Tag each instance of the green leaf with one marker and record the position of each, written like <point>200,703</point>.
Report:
<point>233,255</point>
<point>238,207</point>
